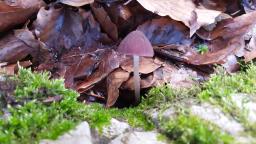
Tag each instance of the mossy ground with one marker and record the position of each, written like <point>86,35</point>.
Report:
<point>34,120</point>
<point>221,86</point>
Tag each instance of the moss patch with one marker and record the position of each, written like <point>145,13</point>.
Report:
<point>183,128</point>
<point>186,128</point>
<point>164,96</point>
<point>32,121</point>
<point>221,86</point>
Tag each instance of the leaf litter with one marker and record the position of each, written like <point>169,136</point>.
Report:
<point>77,40</point>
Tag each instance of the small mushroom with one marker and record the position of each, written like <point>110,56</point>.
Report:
<point>136,44</point>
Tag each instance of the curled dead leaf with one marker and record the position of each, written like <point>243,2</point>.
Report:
<point>146,66</point>
<point>12,69</point>
<point>182,10</point>
<point>15,47</point>
<point>108,63</point>
<point>76,3</point>
<point>17,12</point>
<point>114,81</point>
<point>64,28</point>
<point>226,39</point>
<point>107,25</point>
<point>165,31</point>
<point>146,82</point>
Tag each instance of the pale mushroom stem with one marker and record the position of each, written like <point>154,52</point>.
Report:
<point>136,61</point>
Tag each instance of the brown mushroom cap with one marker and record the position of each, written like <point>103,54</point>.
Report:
<point>136,43</point>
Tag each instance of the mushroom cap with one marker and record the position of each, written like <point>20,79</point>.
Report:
<point>136,43</point>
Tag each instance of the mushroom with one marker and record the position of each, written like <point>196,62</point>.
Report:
<point>136,44</point>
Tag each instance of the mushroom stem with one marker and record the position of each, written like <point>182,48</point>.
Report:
<point>136,61</point>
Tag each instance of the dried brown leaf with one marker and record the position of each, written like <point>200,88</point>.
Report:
<point>182,10</point>
<point>13,68</point>
<point>114,81</point>
<point>226,39</point>
<point>64,28</point>
<point>17,12</point>
<point>146,66</point>
<point>108,63</point>
<point>83,67</point>
<point>15,47</point>
<point>128,17</point>
<point>228,6</point>
<point>76,3</point>
<point>146,82</point>
<point>107,25</point>
<point>165,31</point>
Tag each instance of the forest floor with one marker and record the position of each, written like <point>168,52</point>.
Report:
<point>69,69</point>
<point>221,110</point>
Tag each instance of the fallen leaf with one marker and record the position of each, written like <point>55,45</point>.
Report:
<point>165,31</point>
<point>146,66</point>
<point>107,25</point>
<point>15,47</point>
<point>249,5</point>
<point>231,7</point>
<point>128,17</point>
<point>62,29</point>
<point>146,82</point>
<point>231,64</point>
<point>76,3</point>
<point>226,39</point>
<point>250,52</point>
<point>12,69</point>
<point>17,12</point>
<point>114,81</point>
<point>83,67</point>
<point>109,62</point>
<point>182,10</point>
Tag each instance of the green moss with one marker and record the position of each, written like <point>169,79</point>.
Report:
<point>223,85</point>
<point>190,129</point>
<point>37,85</point>
<point>202,48</point>
<point>163,138</point>
<point>183,128</point>
<point>33,120</point>
<point>164,96</point>
<point>99,116</point>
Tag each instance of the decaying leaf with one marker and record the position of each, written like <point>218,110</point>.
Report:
<point>128,17</point>
<point>114,81</point>
<point>63,28</point>
<point>76,3</point>
<point>78,39</point>
<point>17,12</point>
<point>146,66</point>
<point>146,82</point>
<point>83,67</point>
<point>11,69</point>
<point>249,5</point>
<point>226,39</point>
<point>109,62</point>
<point>17,46</point>
<point>250,52</point>
<point>107,25</point>
<point>165,31</point>
<point>182,10</point>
